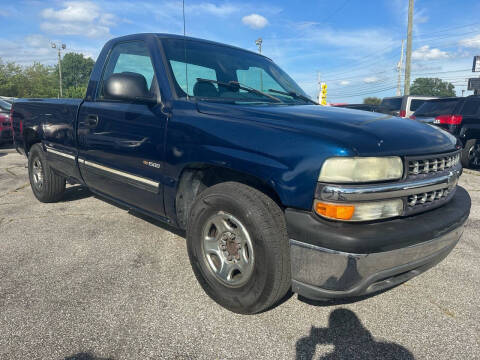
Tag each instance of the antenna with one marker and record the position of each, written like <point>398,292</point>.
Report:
<point>185,45</point>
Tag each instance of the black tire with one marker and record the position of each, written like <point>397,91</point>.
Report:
<point>470,155</point>
<point>52,185</point>
<point>270,278</point>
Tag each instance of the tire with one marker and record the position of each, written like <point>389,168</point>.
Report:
<point>265,278</point>
<point>46,185</point>
<point>470,154</point>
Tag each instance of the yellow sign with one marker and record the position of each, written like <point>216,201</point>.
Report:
<point>323,94</point>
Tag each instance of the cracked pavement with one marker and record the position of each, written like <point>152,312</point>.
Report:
<point>83,279</point>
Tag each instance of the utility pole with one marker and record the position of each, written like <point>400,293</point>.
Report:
<point>319,97</point>
<point>59,47</point>
<point>258,42</point>
<point>399,70</point>
<point>406,90</point>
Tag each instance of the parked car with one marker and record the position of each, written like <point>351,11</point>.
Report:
<point>364,107</point>
<point>461,117</point>
<point>274,192</point>
<point>403,106</point>
<point>5,123</point>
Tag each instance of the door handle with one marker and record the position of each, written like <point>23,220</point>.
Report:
<point>92,121</point>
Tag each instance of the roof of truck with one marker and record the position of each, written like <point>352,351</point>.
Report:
<point>181,37</point>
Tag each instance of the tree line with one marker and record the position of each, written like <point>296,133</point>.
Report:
<point>41,81</point>
<point>423,87</point>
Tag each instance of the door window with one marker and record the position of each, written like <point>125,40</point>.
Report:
<point>132,56</point>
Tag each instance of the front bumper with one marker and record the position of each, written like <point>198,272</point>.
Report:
<point>335,260</point>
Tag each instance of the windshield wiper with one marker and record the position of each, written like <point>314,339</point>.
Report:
<point>237,85</point>
<point>294,95</point>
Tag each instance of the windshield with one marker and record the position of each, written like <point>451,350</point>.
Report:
<point>392,103</point>
<point>5,106</point>
<point>434,108</point>
<point>236,75</point>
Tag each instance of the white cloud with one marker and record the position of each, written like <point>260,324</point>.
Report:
<point>344,82</point>
<point>426,53</point>
<point>37,40</point>
<point>77,18</point>
<point>255,21</point>
<point>210,8</point>
<point>473,42</point>
<point>36,48</point>
<point>371,79</point>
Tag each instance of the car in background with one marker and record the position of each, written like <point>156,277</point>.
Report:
<point>403,106</point>
<point>459,116</point>
<point>6,133</point>
<point>364,107</point>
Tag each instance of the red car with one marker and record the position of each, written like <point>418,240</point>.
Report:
<point>6,133</point>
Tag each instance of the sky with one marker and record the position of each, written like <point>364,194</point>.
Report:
<point>352,45</point>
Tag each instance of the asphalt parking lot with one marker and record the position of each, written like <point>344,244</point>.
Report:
<point>83,279</point>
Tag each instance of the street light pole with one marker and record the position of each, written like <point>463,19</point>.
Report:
<point>60,47</point>
<point>258,42</point>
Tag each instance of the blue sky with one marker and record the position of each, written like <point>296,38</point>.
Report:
<point>353,44</point>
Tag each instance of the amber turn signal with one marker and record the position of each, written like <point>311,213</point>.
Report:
<point>334,211</point>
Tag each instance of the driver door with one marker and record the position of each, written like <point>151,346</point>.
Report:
<point>121,144</point>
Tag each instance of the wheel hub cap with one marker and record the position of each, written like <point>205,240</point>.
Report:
<point>227,249</point>
<point>37,174</point>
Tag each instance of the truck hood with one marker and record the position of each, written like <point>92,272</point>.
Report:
<point>365,133</point>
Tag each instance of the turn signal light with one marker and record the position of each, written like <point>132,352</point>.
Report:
<point>335,211</point>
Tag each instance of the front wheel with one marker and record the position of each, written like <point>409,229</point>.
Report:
<point>470,156</point>
<point>46,185</point>
<point>238,247</point>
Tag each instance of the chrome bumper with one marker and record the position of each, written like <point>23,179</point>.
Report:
<point>320,273</point>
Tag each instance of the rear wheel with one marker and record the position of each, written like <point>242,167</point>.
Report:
<point>471,154</point>
<point>46,185</point>
<point>238,247</point>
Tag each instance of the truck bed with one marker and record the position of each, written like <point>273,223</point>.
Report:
<point>53,119</point>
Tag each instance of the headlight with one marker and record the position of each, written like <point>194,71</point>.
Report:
<point>361,169</point>
<point>362,211</point>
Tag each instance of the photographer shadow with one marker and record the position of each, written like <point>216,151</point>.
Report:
<point>350,340</point>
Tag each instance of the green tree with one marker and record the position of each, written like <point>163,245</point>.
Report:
<point>76,70</point>
<point>11,78</point>
<point>75,92</point>
<point>432,87</point>
<point>40,82</point>
<point>372,100</point>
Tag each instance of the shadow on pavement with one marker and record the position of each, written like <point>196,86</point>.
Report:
<point>350,340</point>
<point>85,356</point>
<point>76,193</point>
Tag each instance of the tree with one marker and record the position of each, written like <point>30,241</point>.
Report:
<point>372,100</point>
<point>432,87</point>
<point>76,70</point>
<point>40,80</point>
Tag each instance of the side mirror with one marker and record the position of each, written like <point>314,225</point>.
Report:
<point>128,86</point>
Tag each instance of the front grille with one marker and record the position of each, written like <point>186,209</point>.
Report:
<point>427,197</point>
<point>432,164</point>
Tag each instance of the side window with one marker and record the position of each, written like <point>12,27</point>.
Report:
<point>194,72</point>
<point>258,78</point>
<point>132,56</point>
<point>415,104</point>
<point>471,107</point>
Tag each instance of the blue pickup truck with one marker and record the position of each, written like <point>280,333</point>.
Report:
<point>274,192</point>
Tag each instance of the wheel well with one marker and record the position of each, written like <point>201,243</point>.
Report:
<point>197,178</point>
<point>30,137</point>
